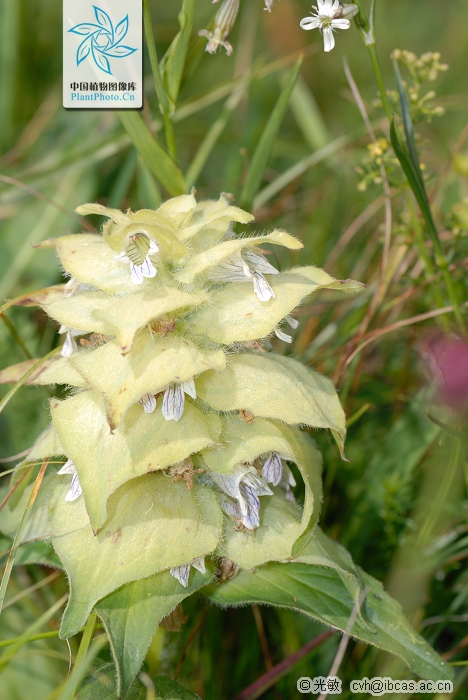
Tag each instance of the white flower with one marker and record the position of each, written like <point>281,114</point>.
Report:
<point>328,18</point>
<point>75,487</point>
<point>148,401</point>
<point>69,346</point>
<point>247,267</point>
<point>137,253</point>
<point>286,482</point>
<point>182,573</point>
<point>174,399</point>
<point>245,486</point>
<point>223,23</point>
<point>284,336</point>
<point>276,473</point>
<point>268,5</point>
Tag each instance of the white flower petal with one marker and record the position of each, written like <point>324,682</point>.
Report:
<point>258,263</point>
<point>250,506</point>
<point>173,402</point>
<point>232,269</point>
<point>340,23</point>
<point>288,476</point>
<point>189,388</point>
<point>273,469</point>
<point>68,468</point>
<point>75,489</point>
<point>328,39</point>
<point>147,269</point>
<point>199,564</point>
<point>148,401</point>
<point>137,275</point>
<point>261,287</point>
<point>310,23</point>
<point>283,336</point>
<point>69,346</point>
<point>181,573</point>
<point>154,248</point>
<point>293,322</point>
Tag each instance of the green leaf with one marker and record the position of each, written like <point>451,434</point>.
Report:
<point>157,160</point>
<point>167,689</point>
<point>132,614</point>
<point>236,314</point>
<point>101,685</point>
<point>408,125</point>
<point>123,316</point>
<point>57,370</point>
<point>32,553</point>
<point>202,262</point>
<point>320,593</point>
<point>174,60</point>
<point>282,522</point>
<point>142,443</point>
<point>153,524</point>
<point>265,145</point>
<point>275,387</point>
<point>150,367</point>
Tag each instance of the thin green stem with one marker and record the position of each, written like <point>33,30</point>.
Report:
<point>379,79</point>
<point>87,638</point>
<point>44,635</point>
<point>158,82</point>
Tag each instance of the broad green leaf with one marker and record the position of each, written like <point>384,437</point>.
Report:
<point>57,370</point>
<point>212,229</point>
<point>204,261</point>
<point>281,522</point>
<point>271,386</point>
<point>167,689</point>
<point>117,216</point>
<point>142,443</point>
<point>157,160</point>
<point>86,257</point>
<point>32,553</point>
<point>174,60</point>
<point>236,314</point>
<point>123,316</point>
<point>265,145</point>
<point>101,685</point>
<point>153,524</point>
<point>37,525</point>
<point>315,548</point>
<point>132,614</point>
<point>320,593</point>
<point>221,212</point>
<point>150,367</point>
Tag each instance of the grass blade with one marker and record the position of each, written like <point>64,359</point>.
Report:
<point>174,60</point>
<point>9,395</point>
<point>157,160</point>
<point>19,533</point>
<point>265,145</point>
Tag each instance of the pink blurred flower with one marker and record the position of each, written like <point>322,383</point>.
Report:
<point>447,359</point>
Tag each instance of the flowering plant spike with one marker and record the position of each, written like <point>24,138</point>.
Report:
<point>179,429</point>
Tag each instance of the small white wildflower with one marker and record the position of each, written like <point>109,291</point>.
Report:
<point>268,5</point>
<point>245,486</point>
<point>174,399</point>
<point>75,487</point>
<point>148,401</point>
<point>223,23</point>
<point>247,266</point>
<point>272,470</point>
<point>328,17</point>
<point>137,253</point>
<point>69,346</point>
<point>182,573</point>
